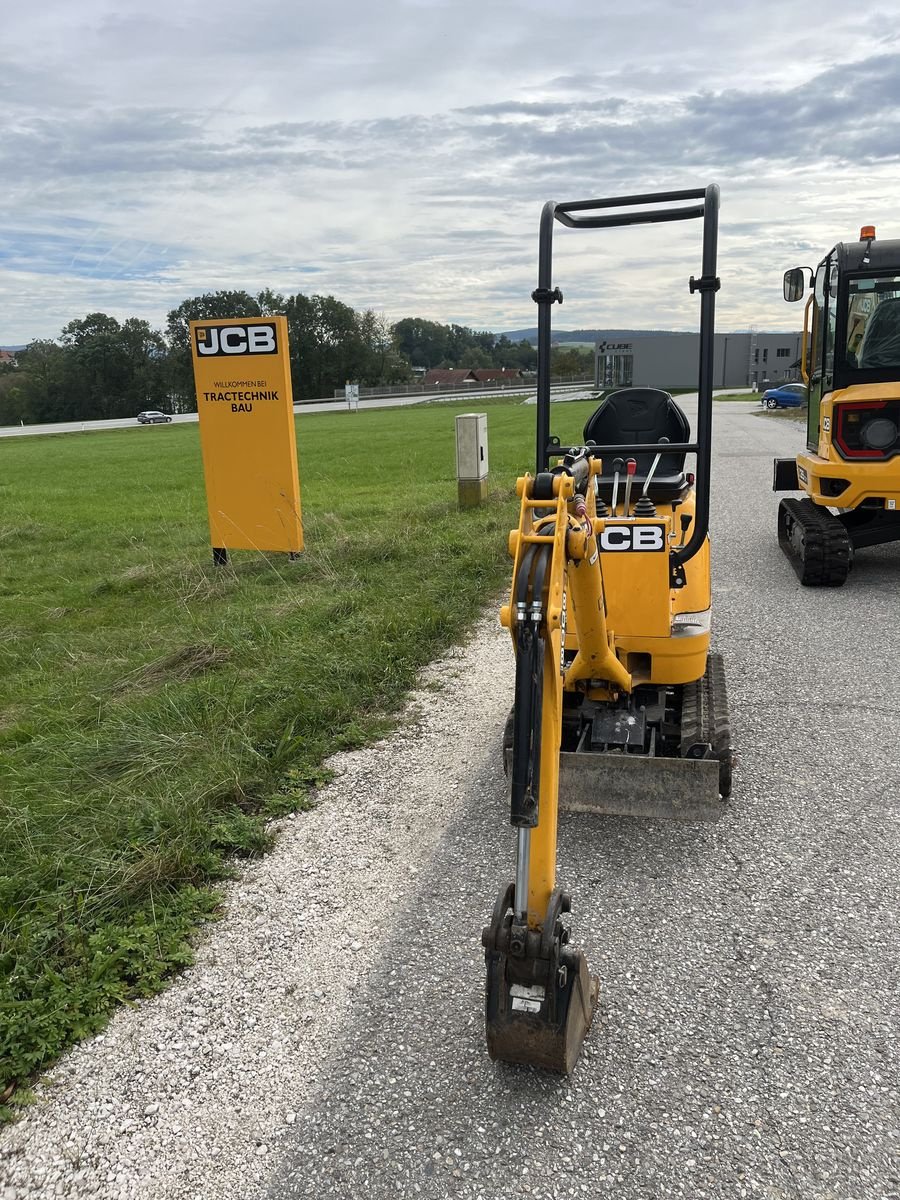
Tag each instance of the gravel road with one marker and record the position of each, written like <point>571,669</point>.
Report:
<point>329,1040</point>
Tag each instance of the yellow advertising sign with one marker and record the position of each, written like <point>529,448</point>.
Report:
<point>243,379</point>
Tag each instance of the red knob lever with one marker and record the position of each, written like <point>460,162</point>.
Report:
<point>631,466</point>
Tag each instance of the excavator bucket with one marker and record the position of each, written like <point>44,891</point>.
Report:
<point>540,998</point>
<point>536,1026</point>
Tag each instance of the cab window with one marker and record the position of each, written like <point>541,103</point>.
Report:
<point>873,323</point>
<point>831,296</point>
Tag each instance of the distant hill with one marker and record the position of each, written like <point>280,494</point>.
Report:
<point>13,349</point>
<point>586,335</point>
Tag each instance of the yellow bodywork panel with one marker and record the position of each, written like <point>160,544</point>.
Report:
<point>636,582</point>
<point>643,610</point>
<point>865,477</point>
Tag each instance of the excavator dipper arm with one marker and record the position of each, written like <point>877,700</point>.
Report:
<point>541,998</point>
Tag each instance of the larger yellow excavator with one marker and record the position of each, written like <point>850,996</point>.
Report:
<point>619,706</point>
<point>850,360</point>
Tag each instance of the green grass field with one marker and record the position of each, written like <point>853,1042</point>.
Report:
<point>156,710</point>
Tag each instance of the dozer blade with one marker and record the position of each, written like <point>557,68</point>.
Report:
<point>634,785</point>
<point>540,998</point>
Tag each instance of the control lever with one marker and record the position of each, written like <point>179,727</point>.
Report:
<point>654,465</point>
<point>618,464</point>
<point>686,519</point>
<point>630,468</point>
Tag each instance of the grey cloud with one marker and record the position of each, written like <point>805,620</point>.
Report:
<point>610,136</point>
<point>139,145</point>
<point>369,200</point>
<point>820,117</point>
<point>543,108</point>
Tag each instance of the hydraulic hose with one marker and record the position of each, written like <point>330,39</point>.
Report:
<point>523,576</point>
<point>528,705</point>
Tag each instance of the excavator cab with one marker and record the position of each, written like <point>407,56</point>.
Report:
<point>850,361</point>
<point>619,706</point>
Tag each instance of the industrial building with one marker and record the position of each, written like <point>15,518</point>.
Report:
<point>670,360</point>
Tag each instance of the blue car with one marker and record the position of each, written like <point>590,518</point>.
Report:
<point>789,395</point>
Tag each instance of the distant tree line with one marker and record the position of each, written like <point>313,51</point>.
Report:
<point>101,368</point>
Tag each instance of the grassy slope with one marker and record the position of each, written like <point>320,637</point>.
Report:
<point>154,709</point>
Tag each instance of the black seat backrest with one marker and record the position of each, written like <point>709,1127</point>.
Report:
<point>881,343</point>
<point>640,415</point>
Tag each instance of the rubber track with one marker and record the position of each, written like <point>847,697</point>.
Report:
<point>825,554</point>
<point>704,718</point>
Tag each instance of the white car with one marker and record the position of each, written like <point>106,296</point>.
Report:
<point>153,418</point>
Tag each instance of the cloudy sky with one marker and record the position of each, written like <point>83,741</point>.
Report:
<point>396,153</point>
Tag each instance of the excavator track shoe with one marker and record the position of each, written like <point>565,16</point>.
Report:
<point>540,997</point>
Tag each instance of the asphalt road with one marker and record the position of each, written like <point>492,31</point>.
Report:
<point>313,406</point>
<point>746,1044</point>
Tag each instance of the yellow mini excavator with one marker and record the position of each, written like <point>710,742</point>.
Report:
<point>850,361</point>
<point>619,706</point>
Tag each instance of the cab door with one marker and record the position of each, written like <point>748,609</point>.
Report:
<point>821,358</point>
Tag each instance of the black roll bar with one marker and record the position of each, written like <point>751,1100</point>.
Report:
<point>597,216</point>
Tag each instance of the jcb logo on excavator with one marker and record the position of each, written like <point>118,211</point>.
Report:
<point>633,537</point>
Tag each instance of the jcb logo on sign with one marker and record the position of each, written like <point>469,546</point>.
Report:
<point>236,339</point>
<point>633,537</point>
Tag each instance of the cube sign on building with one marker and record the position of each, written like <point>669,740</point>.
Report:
<point>243,380</point>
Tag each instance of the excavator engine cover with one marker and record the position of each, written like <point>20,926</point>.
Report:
<point>540,997</point>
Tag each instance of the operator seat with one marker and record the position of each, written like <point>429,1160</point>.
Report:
<point>641,415</point>
<point>881,343</point>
